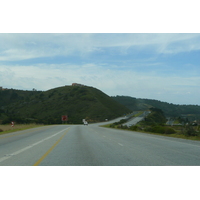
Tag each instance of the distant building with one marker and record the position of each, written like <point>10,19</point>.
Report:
<point>1,88</point>
<point>77,84</point>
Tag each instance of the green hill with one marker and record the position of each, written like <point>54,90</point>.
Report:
<point>78,102</point>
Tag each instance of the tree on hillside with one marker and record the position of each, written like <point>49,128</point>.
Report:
<point>155,117</point>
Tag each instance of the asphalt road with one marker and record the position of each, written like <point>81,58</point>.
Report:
<point>79,145</point>
<point>135,120</point>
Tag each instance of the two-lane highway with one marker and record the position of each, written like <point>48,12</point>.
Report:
<point>79,145</point>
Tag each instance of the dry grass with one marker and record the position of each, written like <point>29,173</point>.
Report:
<point>176,135</point>
<point>17,127</point>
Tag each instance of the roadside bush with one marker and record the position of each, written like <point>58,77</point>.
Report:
<point>1,130</point>
<point>169,130</point>
<point>190,131</point>
<point>160,129</point>
<point>122,127</point>
<point>112,125</point>
<point>133,128</point>
<point>122,121</point>
<point>147,129</point>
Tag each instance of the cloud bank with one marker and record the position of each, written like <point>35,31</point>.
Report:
<point>15,47</point>
<point>157,66</point>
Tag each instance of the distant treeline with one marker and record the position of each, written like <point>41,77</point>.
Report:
<point>169,109</point>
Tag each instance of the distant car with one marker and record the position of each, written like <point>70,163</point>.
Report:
<point>85,123</point>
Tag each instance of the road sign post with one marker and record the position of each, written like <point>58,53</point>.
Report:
<point>64,118</point>
<point>12,124</point>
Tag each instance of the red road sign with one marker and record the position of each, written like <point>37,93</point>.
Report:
<point>64,118</point>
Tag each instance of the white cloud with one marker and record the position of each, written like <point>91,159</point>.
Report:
<point>148,77</point>
<point>160,42</point>
<point>25,46</point>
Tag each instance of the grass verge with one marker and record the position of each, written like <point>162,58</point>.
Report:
<point>175,135</point>
<point>18,127</point>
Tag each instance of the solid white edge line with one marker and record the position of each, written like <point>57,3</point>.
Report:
<point>29,146</point>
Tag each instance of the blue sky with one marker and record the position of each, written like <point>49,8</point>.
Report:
<point>158,66</point>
